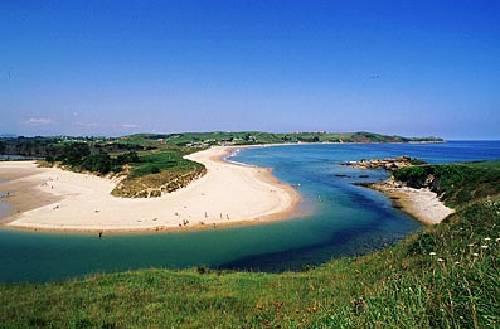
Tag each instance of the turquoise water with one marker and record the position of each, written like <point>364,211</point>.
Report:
<point>344,220</point>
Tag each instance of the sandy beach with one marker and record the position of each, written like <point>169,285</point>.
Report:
<point>56,199</point>
<point>422,204</point>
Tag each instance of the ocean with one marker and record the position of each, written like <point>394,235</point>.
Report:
<point>338,219</point>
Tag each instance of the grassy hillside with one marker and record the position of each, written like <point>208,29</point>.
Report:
<point>457,184</point>
<point>259,137</point>
<point>443,277</point>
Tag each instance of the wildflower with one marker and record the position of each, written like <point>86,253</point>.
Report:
<point>470,245</point>
<point>456,263</point>
<point>497,239</point>
<point>440,259</point>
<point>487,239</point>
<point>432,253</point>
<point>484,247</point>
<point>475,254</point>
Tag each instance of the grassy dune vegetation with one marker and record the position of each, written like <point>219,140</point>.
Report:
<point>163,170</point>
<point>443,277</point>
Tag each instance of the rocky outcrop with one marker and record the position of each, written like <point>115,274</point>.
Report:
<point>388,164</point>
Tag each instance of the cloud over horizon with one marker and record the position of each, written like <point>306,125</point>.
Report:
<point>38,121</point>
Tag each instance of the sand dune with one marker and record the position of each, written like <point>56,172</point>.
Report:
<point>227,194</point>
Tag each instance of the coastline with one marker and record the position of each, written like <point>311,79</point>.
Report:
<point>421,204</point>
<point>50,199</point>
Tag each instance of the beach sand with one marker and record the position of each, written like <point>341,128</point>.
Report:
<point>19,189</point>
<point>56,199</point>
<point>422,204</point>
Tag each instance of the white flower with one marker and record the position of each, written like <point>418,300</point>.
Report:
<point>432,253</point>
<point>440,259</point>
<point>487,239</point>
<point>497,239</point>
<point>475,254</point>
<point>484,247</point>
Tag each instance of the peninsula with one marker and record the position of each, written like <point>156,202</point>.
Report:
<point>226,194</point>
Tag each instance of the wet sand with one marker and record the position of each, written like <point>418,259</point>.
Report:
<point>20,192</point>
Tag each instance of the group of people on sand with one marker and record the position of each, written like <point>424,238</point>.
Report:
<point>186,222</point>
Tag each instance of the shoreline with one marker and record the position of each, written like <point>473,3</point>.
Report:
<point>72,202</point>
<point>421,204</point>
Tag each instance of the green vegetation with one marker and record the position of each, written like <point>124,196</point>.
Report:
<point>443,277</point>
<point>456,184</point>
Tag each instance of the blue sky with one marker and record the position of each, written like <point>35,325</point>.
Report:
<point>119,67</point>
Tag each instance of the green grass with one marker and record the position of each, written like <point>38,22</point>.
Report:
<point>443,277</point>
<point>169,159</point>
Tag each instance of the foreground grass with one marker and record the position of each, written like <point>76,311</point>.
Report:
<point>443,277</point>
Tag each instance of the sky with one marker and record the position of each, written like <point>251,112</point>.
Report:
<point>94,67</point>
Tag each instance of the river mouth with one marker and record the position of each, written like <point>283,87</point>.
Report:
<point>346,220</point>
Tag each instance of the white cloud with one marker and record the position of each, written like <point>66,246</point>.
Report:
<point>75,114</point>
<point>129,126</point>
<point>86,124</point>
<point>38,121</point>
